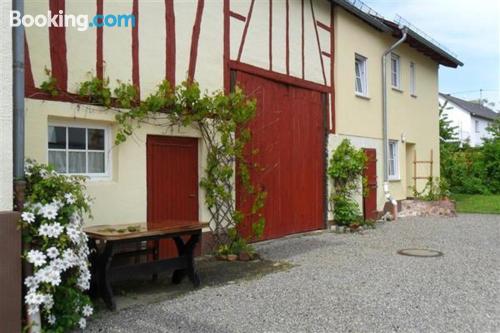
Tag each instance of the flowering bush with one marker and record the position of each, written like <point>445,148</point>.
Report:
<point>52,226</point>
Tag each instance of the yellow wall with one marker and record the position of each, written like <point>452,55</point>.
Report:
<point>413,118</point>
<point>122,198</point>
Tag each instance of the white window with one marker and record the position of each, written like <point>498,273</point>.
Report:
<point>395,72</point>
<point>413,80</point>
<point>78,150</point>
<point>476,125</point>
<point>393,161</point>
<point>360,71</point>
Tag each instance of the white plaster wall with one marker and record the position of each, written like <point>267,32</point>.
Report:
<point>361,142</point>
<point>465,123</point>
<point>5,108</point>
<point>123,197</point>
<point>478,136</point>
<point>459,118</point>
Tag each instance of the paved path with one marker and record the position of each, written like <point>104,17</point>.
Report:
<point>349,283</point>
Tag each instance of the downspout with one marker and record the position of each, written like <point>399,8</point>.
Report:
<point>385,139</point>
<point>18,106</point>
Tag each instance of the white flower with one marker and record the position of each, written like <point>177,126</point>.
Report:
<point>52,252</point>
<point>73,234</point>
<point>49,211</point>
<point>48,300</point>
<point>34,298</point>
<point>32,309</point>
<point>28,217</point>
<point>45,230</point>
<point>31,282</point>
<point>75,220</point>
<point>70,199</point>
<point>36,257</point>
<point>83,281</point>
<point>57,203</point>
<point>51,230</point>
<point>87,310</point>
<point>58,265</point>
<point>51,319</point>
<point>49,274</point>
<point>82,323</point>
<point>37,207</point>
<point>57,229</point>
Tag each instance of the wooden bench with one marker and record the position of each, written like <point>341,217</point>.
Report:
<point>115,236</point>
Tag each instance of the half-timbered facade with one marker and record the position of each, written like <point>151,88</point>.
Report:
<point>285,53</point>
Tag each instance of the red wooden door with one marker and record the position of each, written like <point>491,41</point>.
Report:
<point>370,201</point>
<point>288,134</point>
<point>172,183</point>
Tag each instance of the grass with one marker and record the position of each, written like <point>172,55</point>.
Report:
<point>477,203</point>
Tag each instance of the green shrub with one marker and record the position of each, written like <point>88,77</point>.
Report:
<point>346,168</point>
<point>346,210</point>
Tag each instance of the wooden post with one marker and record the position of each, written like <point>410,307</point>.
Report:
<point>431,162</point>
<point>415,169</point>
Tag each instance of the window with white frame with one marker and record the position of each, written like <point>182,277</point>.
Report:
<point>395,71</point>
<point>413,79</point>
<point>476,126</point>
<point>360,71</point>
<point>78,150</point>
<point>393,162</point>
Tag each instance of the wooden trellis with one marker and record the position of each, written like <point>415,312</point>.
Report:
<point>415,162</point>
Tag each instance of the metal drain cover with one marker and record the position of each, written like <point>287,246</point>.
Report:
<point>420,253</point>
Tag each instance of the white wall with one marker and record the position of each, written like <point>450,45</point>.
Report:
<point>480,133</point>
<point>5,108</point>
<point>465,123</point>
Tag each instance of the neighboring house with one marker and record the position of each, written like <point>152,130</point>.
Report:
<point>313,66</point>
<point>470,118</point>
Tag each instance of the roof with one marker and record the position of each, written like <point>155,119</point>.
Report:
<point>365,13</point>
<point>416,39</point>
<point>428,47</point>
<point>475,109</point>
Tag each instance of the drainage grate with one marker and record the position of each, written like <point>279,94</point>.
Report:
<point>420,253</point>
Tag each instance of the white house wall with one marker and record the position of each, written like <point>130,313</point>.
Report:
<point>122,197</point>
<point>5,109</point>
<point>465,124</point>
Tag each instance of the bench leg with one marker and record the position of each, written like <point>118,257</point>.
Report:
<point>156,256</point>
<point>94,262</point>
<point>186,250</point>
<point>104,283</point>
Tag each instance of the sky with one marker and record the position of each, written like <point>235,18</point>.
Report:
<point>469,28</point>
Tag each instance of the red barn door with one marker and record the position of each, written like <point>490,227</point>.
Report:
<point>288,132</point>
<point>172,181</point>
<point>370,201</point>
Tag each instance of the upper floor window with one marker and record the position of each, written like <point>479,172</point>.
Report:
<point>476,126</point>
<point>393,161</point>
<point>413,79</point>
<point>78,150</point>
<point>395,71</point>
<point>360,71</point>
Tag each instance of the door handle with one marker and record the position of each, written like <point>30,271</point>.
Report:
<point>192,195</point>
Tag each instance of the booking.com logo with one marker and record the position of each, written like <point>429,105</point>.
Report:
<point>80,22</point>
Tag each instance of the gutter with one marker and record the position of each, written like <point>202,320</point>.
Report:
<point>18,109</point>
<point>385,139</point>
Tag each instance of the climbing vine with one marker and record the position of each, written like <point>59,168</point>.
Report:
<point>221,119</point>
<point>345,169</point>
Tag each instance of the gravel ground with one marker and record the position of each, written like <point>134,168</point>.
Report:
<point>349,283</point>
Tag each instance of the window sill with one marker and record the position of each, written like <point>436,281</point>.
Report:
<point>397,89</point>
<point>395,179</point>
<point>363,96</point>
<point>413,95</point>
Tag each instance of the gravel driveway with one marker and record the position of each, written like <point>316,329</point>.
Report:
<point>349,283</point>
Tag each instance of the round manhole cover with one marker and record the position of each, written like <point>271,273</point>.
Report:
<point>420,253</point>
